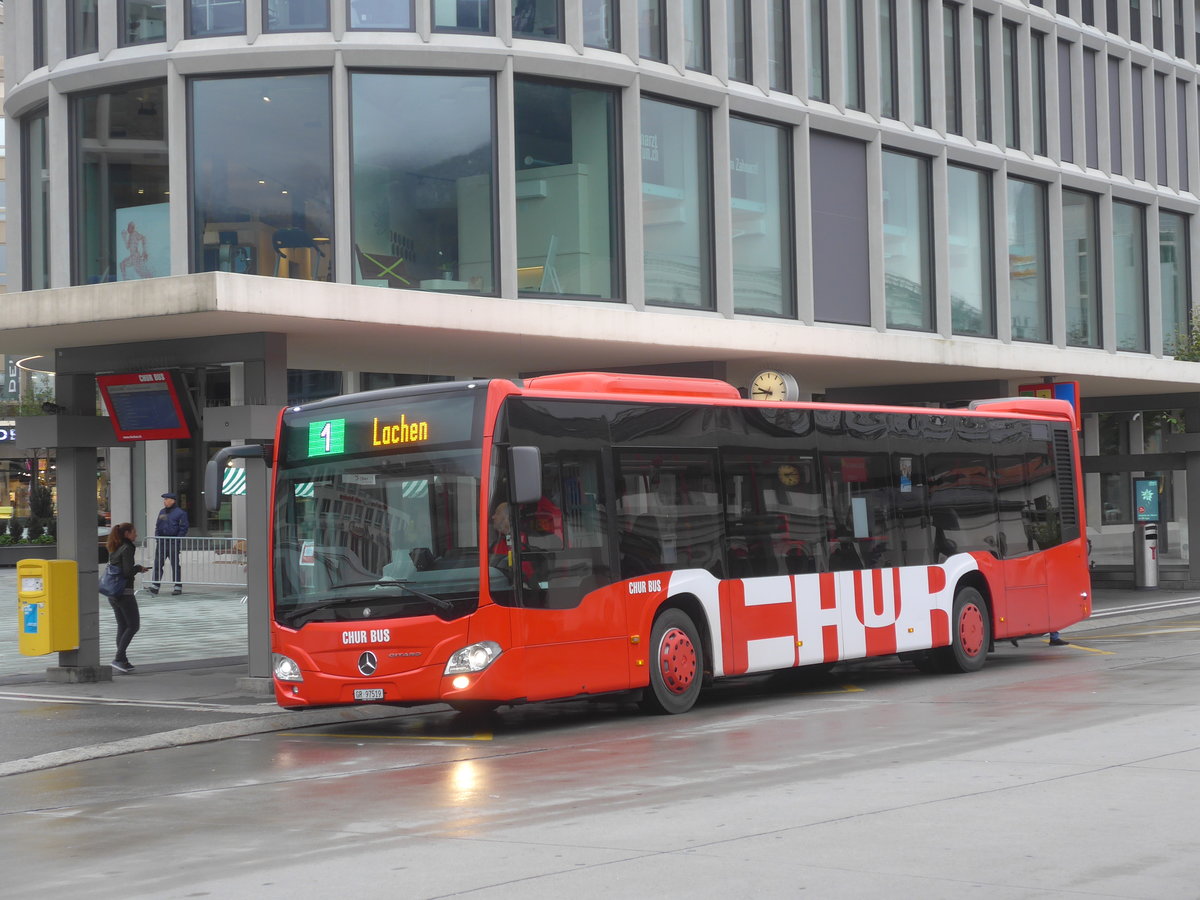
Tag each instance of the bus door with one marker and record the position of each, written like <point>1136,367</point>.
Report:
<point>1020,540</point>
<point>570,622</point>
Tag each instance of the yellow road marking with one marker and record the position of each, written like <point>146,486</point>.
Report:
<point>844,689</point>
<point>1093,649</point>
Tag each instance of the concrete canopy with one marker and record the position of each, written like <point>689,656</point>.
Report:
<point>342,326</point>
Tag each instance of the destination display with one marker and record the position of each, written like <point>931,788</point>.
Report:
<point>394,426</point>
<point>143,406</point>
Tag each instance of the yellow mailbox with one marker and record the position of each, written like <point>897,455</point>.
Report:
<point>47,606</point>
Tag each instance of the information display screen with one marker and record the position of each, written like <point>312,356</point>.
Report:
<point>393,426</point>
<point>1146,499</point>
<point>143,406</point>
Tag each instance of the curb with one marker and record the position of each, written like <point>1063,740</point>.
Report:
<point>1131,615</point>
<point>202,734</point>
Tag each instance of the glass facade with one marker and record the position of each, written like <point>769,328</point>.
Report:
<point>142,22</point>
<point>537,19</point>
<point>907,264</point>
<point>1012,87</point>
<point>676,205</point>
<point>35,191</point>
<point>380,15</point>
<point>889,95</point>
<point>779,45</point>
<point>763,243</point>
<point>81,27</point>
<point>1028,275</point>
<point>122,188</point>
<point>295,15</point>
<point>1066,91</point>
<point>952,72</point>
<point>423,182</point>
<point>983,79</point>
<point>970,252</point>
<point>425,186</point>
<point>463,16</point>
<point>567,190</point>
<point>600,26</point>
<point>1173,276</point>
<point>818,63</point>
<point>919,10</point>
<point>210,18</point>
<point>852,46</point>
<point>262,200</point>
<point>1037,75</point>
<point>1129,275</point>
<point>38,14</point>
<point>652,38</point>
<point>695,35</point>
<point>1081,268</point>
<point>738,34</point>
<point>1136,74</point>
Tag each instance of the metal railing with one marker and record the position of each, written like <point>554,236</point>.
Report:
<point>199,561</point>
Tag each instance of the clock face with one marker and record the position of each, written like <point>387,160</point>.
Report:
<point>773,386</point>
<point>788,475</point>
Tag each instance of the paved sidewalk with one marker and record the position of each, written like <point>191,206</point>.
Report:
<point>191,655</point>
<point>197,624</point>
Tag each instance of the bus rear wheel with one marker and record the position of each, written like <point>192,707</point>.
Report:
<point>676,664</point>
<point>970,633</point>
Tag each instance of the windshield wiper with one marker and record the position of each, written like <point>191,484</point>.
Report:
<point>407,585</point>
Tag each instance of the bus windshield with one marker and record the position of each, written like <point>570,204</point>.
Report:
<point>382,536</point>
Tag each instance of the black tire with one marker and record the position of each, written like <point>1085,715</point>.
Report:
<point>676,664</point>
<point>970,633</point>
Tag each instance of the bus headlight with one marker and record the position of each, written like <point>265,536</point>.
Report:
<point>474,658</point>
<point>285,668</point>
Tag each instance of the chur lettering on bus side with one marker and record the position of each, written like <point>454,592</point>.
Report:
<point>404,432</point>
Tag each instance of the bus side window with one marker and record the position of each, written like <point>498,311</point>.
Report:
<point>962,503</point>
<point>565,533</point>
<point>858,496</point>
<point>772,513</point>
<point>678,490</point>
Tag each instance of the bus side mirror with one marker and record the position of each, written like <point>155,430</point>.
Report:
<point>525,466</point>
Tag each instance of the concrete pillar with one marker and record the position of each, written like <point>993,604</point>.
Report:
<point>157,480</point>
<point>77,536</point>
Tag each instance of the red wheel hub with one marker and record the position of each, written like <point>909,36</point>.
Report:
<point>970,629</point>
<point>677,660</point>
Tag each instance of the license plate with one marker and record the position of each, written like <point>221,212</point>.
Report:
<point>368,694</point>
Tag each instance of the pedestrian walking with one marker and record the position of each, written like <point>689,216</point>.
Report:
<point>172,524</point>
<point>121,549</point>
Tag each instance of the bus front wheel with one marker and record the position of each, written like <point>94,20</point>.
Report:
<point>970,633</point>
<point>676,664</point>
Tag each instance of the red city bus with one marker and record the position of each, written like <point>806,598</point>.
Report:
<point>493,542</point>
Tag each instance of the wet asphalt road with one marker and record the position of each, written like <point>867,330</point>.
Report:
<point>1053,772</point>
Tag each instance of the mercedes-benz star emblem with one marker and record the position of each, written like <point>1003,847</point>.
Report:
<point>367,663</point>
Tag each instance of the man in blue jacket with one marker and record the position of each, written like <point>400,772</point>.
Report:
<point>172,524</point>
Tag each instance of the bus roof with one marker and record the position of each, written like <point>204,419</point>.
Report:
<point>667,387</point>
<point>627,384</point>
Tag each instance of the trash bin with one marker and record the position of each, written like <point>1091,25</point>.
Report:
<point>1145,555</point>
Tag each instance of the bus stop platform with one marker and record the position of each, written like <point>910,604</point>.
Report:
<point>188,686</point>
